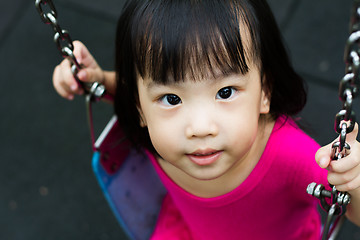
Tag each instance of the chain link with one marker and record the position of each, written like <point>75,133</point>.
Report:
<point>45,16</point>
<point>345,121</point>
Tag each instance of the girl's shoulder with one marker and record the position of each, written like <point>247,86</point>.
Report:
<point>287,132</point>
<point>291,146</point>
<point>295,152</point>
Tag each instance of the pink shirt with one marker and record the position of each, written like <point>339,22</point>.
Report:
<point>271,203</point>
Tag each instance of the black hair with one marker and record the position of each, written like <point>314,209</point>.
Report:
<point>167,39</point>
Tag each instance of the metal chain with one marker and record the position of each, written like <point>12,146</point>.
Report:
<point>344,124</point>
<point>65,45</point>
<point>93,91</point>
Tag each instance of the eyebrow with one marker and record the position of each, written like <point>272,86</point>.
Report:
<point>153,84</point>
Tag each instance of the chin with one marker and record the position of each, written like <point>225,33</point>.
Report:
<point>206,175</point>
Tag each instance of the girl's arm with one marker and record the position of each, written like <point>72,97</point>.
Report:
<point>344,174</point>
<point>110,81</point>
<point>64,81</point>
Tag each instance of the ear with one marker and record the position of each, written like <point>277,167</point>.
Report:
<point>265,102</point>
<point>265,105</point>
<point>265,96</point>
<point>142,118</point>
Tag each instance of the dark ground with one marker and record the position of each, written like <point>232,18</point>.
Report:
<point>48,190</point>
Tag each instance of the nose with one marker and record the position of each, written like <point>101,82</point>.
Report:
<point>201,122</point>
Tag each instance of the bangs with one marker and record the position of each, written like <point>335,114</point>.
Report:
<point>205,38</point>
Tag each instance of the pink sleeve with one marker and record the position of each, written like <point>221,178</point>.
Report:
<point>170,224</point>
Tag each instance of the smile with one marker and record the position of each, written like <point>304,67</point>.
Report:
<point>205,157</point>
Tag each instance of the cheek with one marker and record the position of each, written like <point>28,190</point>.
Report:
<point>157,138</point>
<point>241,125</point>
<point>163,138</point>
<point>244,132</point>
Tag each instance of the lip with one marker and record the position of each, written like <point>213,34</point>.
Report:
<point>204,157</point>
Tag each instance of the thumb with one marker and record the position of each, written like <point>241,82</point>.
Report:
<point>351,137</point>
<point>83,55</point>
<point>91,75</point>
<point>323,156</point>
<point>79,51</point>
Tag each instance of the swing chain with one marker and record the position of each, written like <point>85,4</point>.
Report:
<point>349,86</point>
<point>65,46</point>
<point>345,121</point>
<point>93,91</point>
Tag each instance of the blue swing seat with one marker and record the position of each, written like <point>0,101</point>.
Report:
<point>129,182</point>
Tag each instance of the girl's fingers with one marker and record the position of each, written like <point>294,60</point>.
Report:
<point>64,82</point>
<point>323,155</point>
<point>345,164</point>
<point>353,159</point>
<point>336,178</point>
<point>353,184</point>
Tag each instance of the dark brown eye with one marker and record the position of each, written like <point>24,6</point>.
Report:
<point>170,99</point>
<point>225,93</point>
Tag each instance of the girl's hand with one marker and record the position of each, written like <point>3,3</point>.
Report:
<point>63,79</point>
<point>344,174</point>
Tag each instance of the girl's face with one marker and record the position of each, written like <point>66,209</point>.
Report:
<point>207,127</point>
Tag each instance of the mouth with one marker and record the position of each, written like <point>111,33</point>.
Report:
<point>204,157</point>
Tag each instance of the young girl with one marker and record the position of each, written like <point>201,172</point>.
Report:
<point>207,90</point>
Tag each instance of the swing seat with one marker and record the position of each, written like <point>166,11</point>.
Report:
<point>128,181</point>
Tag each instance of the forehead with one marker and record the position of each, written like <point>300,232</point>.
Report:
<point>193,43</point>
